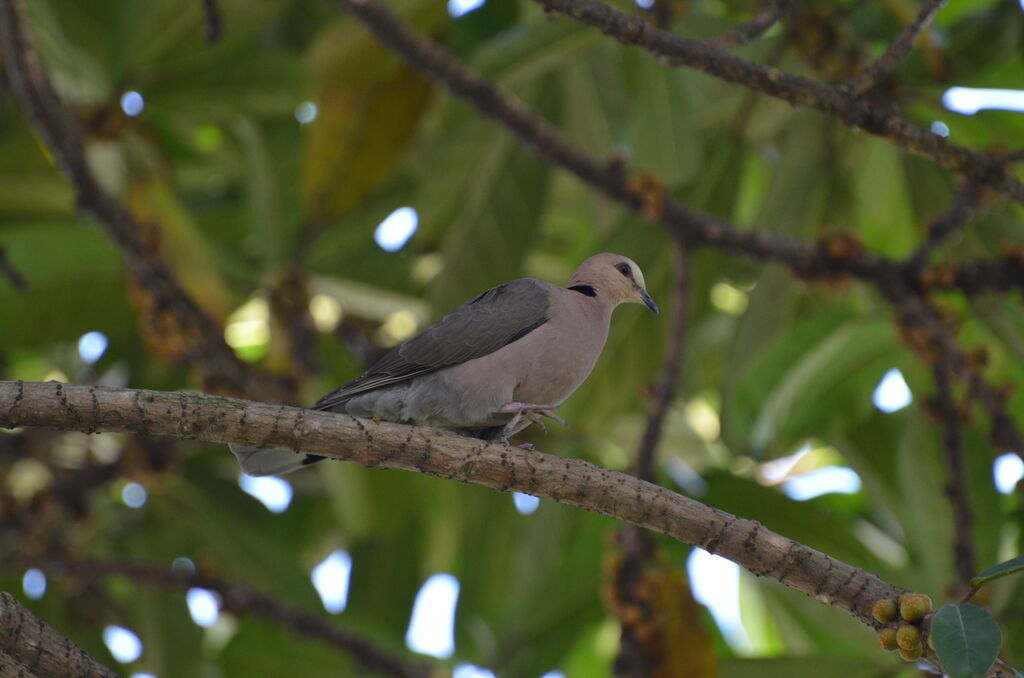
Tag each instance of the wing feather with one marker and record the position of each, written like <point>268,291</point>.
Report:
<point>482,325</point>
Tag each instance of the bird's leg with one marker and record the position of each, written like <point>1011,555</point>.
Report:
<point>530,411</point>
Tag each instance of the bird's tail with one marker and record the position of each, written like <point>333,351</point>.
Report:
<point>268,461</point>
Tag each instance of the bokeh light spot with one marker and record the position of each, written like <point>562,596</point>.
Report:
<point>275,493</point>
<point>92,346</point>
<point>123,644</point>
<point>892,392</point>
<point>331,578</point>
<point>396,229</point>
<point>431,629</point>
<point>34,583</point>
<point>132,103</point>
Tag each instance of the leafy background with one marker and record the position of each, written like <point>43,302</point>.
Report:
<point>239,195</point>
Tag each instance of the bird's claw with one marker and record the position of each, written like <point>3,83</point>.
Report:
<point>532,413</point>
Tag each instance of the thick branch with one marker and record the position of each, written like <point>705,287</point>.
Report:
<point>27,643</point>
<point>238,599</point>
<point>62,134</point>
<point>836,102</point>
<point>574,482</point>
<point>897,50</point>
<point>439,453</point>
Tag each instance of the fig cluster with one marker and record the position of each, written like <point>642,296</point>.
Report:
<point>903,618</point>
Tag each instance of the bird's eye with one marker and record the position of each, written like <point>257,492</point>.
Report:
<point>625,270</point>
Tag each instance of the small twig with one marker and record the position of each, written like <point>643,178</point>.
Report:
<point>235,598</point>
<point>897,50</point>
<point>1012,157</point>
<point>957,485</point>
<point>753,28</point>
<point>214,20</point>
<point>11,273</point>
<point>27,642</point>
<point>956,216</point>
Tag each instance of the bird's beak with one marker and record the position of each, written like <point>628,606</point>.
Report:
<point>646,298</point>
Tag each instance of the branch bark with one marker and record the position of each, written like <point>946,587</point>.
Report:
<point>574,482</point>
<point>31,647</point>
<point>236,598</point>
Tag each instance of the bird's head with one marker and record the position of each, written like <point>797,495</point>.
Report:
<point>615,278</point>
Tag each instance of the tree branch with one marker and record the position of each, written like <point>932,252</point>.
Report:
<point>11,273</point>
<point>238,599</point>
<point>574,482</point>
<point>835,102</point>
<point>196,416</point>
<point>956,216</point>
<point>63,136</point>
<point>896,51</point>
<point>31,647</point>
<point>753,28</point>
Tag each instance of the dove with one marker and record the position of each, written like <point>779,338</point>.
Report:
<point>491,367</point>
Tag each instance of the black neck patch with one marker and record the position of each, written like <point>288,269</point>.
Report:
<point>586,290</point>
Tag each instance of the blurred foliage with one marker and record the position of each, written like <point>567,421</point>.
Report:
<point>235,194</point>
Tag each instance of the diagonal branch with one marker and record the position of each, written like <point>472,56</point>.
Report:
<point>835,102</point>
<point>753,28</point>
<point>235,598</point>
<point>12,274</point>
<point>29,647</point>
<point>447,455</point>
<point>897,50</point>
<point>63,136</point>
<point>956,216</point>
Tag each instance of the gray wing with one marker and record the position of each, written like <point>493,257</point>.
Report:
<point>482,325</point>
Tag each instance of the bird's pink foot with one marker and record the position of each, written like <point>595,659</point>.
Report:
<point>532,412</point>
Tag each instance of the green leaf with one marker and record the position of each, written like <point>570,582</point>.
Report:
<point>966,639</point>
<point>999,571</point>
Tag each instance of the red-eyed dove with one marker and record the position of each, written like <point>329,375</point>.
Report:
<point>493,365</point>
